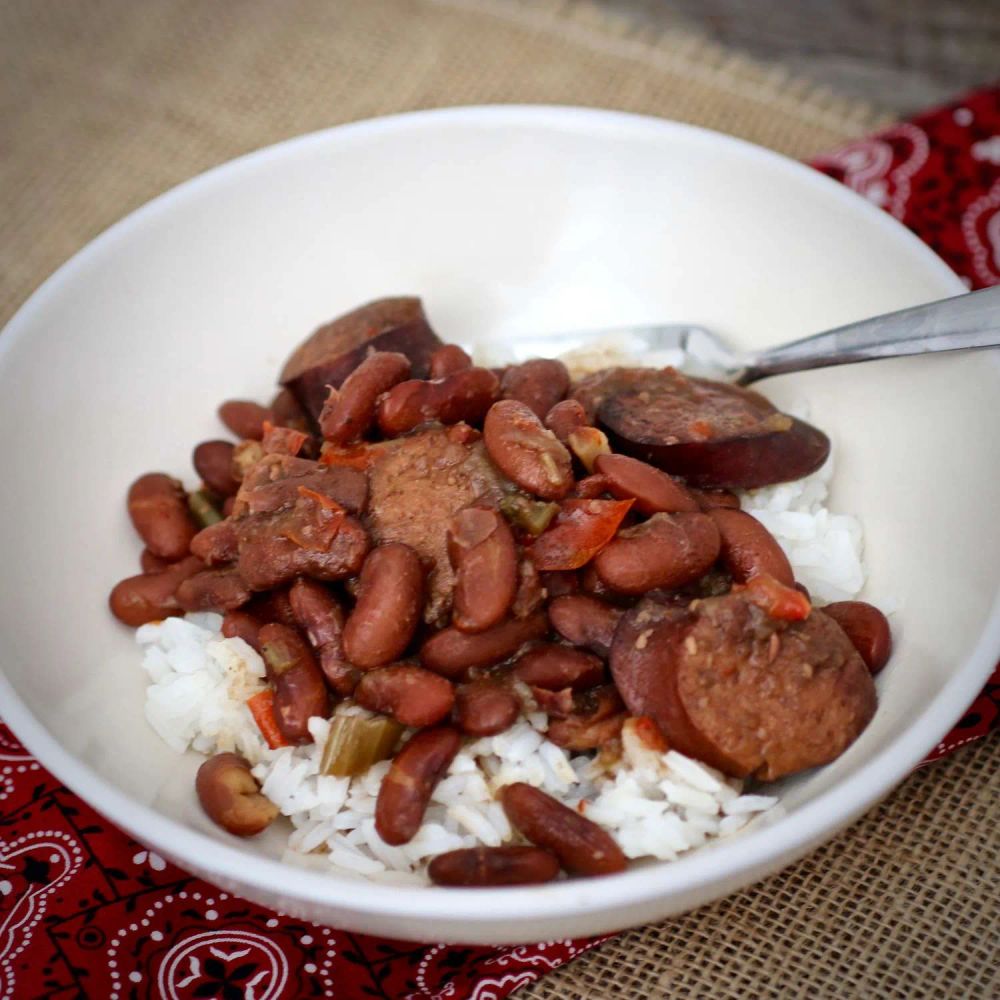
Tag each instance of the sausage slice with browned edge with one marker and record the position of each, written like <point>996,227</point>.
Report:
<point>710,433</point>
<point>743,691</point>
<point>333,351</point>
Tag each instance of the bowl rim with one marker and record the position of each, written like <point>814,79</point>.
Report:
<point>762,849</point>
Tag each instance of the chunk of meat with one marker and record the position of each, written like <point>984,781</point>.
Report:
<point>333,351</point>
<point>710,433</point>
<point>307,539</point>
<point>294,517</point>
<point>417,484</point>
<point>742,691</point>
<point>275,481</point>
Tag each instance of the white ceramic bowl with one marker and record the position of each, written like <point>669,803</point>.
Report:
<point>502,219</point>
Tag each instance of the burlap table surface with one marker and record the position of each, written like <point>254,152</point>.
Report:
<point>106,104</point>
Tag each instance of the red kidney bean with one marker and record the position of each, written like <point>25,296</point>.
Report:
<point>151,563</point>
<point>299,689</point>
<point>389,605</point>
<point>242,625</point>
<point>286,412</point>
<point>464,396</point>
<point>319,614</point>
<point>668,550</point>
<point>482,551</point>
<point>150,597</point>
<point>157,505</point>
<point>524,451</point>
<point>218,543</point>
<point>453,653</point>
<point>213,461</point>
<point>654,491</point>
<point>539,384</point>
<point>213,590</point>
<point>447,361</point>
<point>514,864</point>
<point>566,417</point>
<point>406,789</point>
<point>244,418</point>
<point>585,621</point>
<point>596,718</point>
<point>484,707</point>
<point>581,846</point>
<point>553,667</point>
<point>411,695</point>
<point>559,583</point>
<point>231,797</point>
<point>709,499</point>
<point>748,548</point>
<point>866,627</point>
<point>591,487</point>
<point>350,412</point>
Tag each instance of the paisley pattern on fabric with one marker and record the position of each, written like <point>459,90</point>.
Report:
<point>939,174</point>
<point>85,911</point>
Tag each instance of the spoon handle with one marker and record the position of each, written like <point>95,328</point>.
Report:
<point>962,322</point>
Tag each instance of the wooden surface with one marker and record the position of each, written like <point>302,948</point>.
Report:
<point>902,55</point>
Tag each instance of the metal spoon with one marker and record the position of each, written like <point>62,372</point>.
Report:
<point>960,323</point>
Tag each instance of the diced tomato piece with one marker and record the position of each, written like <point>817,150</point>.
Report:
<point>650,734</point>
<point>776,599</point>
<point>282,440</point>
<point>357,457</point>
<point>580,530</point>
<point>261,706</point>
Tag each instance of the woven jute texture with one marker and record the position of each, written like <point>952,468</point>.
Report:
<point>105,104</point>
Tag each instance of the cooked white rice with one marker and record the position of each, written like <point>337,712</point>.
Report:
<point>654,805</point>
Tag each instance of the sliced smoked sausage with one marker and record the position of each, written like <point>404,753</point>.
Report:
<point>710,433</point>
<point>745,692</point>
<point>333,351</point>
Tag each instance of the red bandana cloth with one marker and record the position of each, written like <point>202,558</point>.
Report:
<point>87,912</point>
